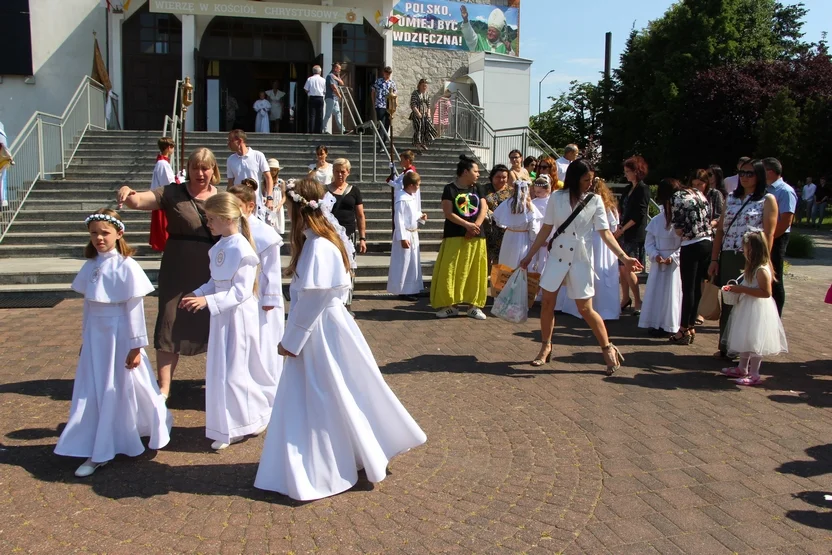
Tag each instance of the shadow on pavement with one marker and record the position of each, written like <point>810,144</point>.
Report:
<point>57,390</point>
<point>822,464</point>
<point>469,364</point>
<point>143,477</point>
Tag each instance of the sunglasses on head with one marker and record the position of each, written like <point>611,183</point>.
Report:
<point>746,173</point>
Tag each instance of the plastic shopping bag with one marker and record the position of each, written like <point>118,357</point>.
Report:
<point>512,305</point>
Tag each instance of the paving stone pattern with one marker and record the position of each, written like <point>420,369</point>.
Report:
<point>664,457</point>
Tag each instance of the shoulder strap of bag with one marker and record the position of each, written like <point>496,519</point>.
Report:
<point>199,213</point>
<point>338,202</point>
<point>581,205</point>
<point>727,229</point>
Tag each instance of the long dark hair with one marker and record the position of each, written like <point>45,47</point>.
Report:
<point>497,169</point>
<point>760,174</point>
<point>719,175</point>
<point>574,173</point>
<point>664,194</point>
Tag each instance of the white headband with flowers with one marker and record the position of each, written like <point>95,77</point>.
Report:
<point>290,190</point>
<point>104,218</point>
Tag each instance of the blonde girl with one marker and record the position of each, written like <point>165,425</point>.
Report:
<point>333,413</point>
<point>115,399</point>
<point>754,327</point>
<point>267,244</point>
<point>238,388</point>
<point>521,220</point>
<point>279,210</point>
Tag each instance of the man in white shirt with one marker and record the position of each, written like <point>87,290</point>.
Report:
<point>732,182</point>
<point>249,163</point>
<point>315,88</point>
<point>807,200</point>
<point>569,155</point>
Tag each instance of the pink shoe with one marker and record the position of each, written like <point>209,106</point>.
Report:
<point>749,380</point>
<point>734,372</point>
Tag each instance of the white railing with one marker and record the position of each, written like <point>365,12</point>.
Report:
<point>171,129</point>
<point>46,145</point>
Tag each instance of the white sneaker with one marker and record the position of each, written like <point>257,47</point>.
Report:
<point>88,468</point>
<point>220,445</point>
<point>446,312</point>
<point>259,430</point>
<point>476,313</point>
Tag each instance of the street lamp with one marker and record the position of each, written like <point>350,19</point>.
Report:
<point>540,89</point>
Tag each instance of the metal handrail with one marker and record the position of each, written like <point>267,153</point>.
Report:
<point>352,107</point>
<point>47,144</point>
<point>172,127</point>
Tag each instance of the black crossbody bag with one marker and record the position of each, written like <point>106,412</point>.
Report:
<point>578,208</point>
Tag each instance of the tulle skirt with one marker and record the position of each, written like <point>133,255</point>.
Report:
<point>755,327</point>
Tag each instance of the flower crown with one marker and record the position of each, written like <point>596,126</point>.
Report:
<point>290,190</point>
<point>104,218</point>
<point>751,231</point>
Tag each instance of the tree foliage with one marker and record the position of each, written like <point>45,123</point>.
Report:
<point>575,117</point>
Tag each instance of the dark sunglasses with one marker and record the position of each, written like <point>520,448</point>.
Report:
<point>543,166</point>
<point>746,173</point>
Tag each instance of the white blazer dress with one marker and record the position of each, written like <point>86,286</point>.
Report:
<point>570,260</point>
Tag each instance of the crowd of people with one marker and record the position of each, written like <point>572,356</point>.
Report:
<point>220,292</point>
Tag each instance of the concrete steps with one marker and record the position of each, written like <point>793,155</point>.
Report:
<point>43,249</point>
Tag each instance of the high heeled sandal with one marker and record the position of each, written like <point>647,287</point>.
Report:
<point>685,339</point>
<point>614,354</point>
<point>541,360</point>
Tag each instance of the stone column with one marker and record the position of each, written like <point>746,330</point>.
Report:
<point>325,44</point>
<point>189,63</point>
<point>388,38</point>
<point>114,53</point>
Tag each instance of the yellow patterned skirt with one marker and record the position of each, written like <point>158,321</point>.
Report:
<point>460,275</point>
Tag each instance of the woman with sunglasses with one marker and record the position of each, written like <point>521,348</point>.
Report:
<point>749,207</point>
<point>546,166</point>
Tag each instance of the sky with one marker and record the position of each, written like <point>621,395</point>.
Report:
<point>571,41</point>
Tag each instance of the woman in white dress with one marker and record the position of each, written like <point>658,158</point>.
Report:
<point>334,414</point>
<point>570,263</point>
<point>267,243</point>
<point>115,399</point>
<point>405,275</point>
<point>606,301</point>
<point>661,311</point>
<point>321,170</point>
<point>541,192</point>
<point>275,96</point>
<point>521,220</point>
<point>262,107</point>
<point>237,396</point>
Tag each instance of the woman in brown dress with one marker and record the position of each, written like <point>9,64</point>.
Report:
<point>184,264</point>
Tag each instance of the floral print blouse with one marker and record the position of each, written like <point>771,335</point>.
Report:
<point>691,214</point>
<point>751,217</point>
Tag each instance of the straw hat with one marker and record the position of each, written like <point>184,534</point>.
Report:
<point>274,164</point>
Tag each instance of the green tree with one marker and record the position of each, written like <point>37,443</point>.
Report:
<point>660,62</point>
<point>575,116</point>
<point>778,130</point>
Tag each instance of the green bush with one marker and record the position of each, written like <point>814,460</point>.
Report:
<point>800,246</point>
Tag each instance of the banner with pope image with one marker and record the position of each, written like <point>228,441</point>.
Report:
<point>457,26</point>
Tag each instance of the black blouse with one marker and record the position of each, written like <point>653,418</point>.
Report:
<point>635,207</point>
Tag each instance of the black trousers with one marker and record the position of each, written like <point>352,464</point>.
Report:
<point>316,115</point>
<point>778,253</point>
<point>731,265</point>
<point>693,265</point>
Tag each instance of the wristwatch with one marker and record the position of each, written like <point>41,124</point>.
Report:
<point>362,239</point>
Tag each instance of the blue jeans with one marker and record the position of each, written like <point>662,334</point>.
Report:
<point>333,109</point>
<point>818,213</point>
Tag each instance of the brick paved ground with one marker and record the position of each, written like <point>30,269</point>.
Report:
<point>664,457</point>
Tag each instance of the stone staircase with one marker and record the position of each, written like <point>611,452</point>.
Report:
<point>43,249</point>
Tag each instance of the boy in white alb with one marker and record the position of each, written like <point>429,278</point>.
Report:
<point>249,163</point>
<point>405,275</point>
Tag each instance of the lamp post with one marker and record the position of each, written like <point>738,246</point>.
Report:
<point>540,89</point>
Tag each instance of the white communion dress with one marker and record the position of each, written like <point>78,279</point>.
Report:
<point>238,388</point>
<point>570,262</point>
<point>662,304</point>
<point>267,243</point>
<point>607,298</point>
<point>521,231</point>
<point>539,260</point>
<point>113,407</point>
<point>334,413</point>
<point>261,123</point>
<point>754,325</point>
<point>405,274</point>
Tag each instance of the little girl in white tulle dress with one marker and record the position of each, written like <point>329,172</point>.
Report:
<point>754,328</point>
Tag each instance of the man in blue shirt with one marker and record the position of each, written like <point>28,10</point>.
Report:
<point>381,90</point>
<point>786,206</point>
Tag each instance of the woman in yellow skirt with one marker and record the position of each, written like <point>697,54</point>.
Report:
<point>460,275</point>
